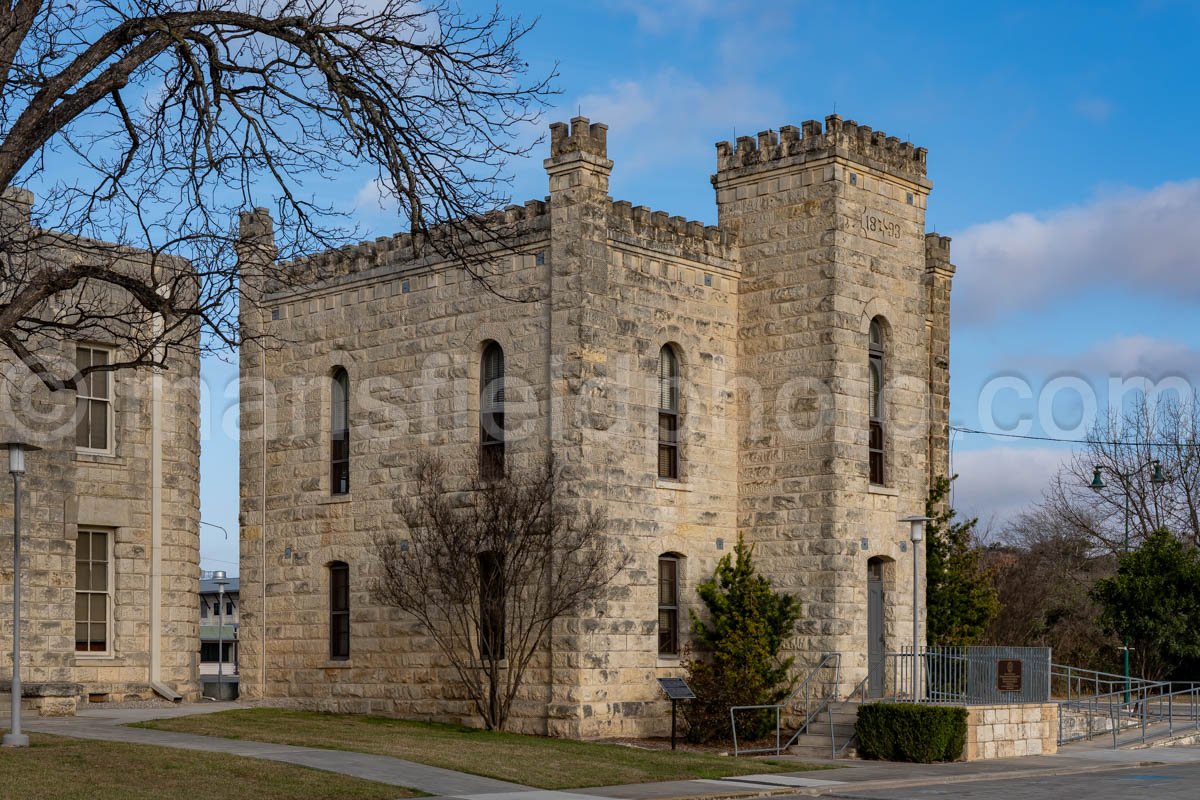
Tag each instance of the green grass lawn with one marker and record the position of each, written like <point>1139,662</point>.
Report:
<point>54,768</point>
<point>530,760</point>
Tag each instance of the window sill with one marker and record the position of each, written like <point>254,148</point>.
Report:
<point>99,457</point>
<point>887,491</point>
<point>343,663</point>
<point>334,498</point>
<point>668,662</point>
<point>674,485</point>
<point>107,659</point>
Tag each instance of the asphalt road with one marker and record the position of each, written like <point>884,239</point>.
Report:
<point>1163,782</point>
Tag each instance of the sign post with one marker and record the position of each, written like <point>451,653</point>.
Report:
<point>676,690</point>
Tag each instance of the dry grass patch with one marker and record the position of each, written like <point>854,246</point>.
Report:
<point>530,760</point>
<point>55,768</point>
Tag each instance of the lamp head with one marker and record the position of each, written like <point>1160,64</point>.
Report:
<point>16,456</point>
<point>1158,478</point>
<point>219,579</point>
<point>1097,480</point>
<point>916,530</point>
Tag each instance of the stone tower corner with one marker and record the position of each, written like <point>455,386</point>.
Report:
<point>939,275</point>
<point>578,156</point>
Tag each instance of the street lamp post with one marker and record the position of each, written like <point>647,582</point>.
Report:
<point>916,533</point>
<point>221,581</point>
<point>1158,479</point>
<point>16,467</point>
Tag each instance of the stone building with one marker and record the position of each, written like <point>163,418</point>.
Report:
<point>781,376</point>
<point>110,533</point>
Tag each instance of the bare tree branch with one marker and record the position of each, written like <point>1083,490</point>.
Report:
<point>488,568</point>
<point>149,124</point>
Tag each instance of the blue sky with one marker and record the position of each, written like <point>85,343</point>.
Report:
<point>1061,146</point>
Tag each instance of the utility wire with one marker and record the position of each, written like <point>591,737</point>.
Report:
<point>1001,434</point>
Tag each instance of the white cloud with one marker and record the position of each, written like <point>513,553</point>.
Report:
<point>663,16</point>
<point>670,117</point>
<point>1144,241</point>
<point>1096,109</point>
<point>998,483</point>
<point>375,198</point>
<point>1126,357</point>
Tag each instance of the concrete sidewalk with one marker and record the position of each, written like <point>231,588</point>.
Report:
<point>111,724</point>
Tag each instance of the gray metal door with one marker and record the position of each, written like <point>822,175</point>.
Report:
<point>875,671</point>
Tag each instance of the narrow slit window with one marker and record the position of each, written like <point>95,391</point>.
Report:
<point>875,449</point>
<point>668,606</point>
<point>339,611</point>
<point>491,413</point>
<point>668,414</point>
<point>491,606</point>
<point>339,434</point>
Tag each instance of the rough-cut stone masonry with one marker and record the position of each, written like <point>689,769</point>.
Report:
<point>820,231</point>
<point>144,493</point>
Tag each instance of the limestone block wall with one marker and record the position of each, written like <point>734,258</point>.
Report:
<point>67,490</point>
<point>830,224</point>
<point>410,340</point>
<point>821,231</point>
<point>1011,731</point>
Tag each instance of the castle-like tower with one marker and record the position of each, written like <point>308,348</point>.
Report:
<point>770,327</point>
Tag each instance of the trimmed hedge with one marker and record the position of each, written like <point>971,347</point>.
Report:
<point>909,732</point>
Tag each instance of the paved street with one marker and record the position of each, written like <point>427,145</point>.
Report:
<point>1163,782</point>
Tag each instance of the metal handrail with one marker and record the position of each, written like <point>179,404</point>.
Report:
<point>809,715</point>
<point>1076,677</point>
<point>1141,706</point>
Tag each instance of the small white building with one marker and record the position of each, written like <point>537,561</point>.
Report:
<point>218,626</point>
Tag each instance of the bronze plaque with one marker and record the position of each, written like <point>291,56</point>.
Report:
<point>1008,674</point>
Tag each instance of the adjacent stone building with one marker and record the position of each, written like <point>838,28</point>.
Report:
<point>782,376</point>
<point>110,535</point>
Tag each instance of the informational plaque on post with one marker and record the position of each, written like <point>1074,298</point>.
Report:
<point>676,688</point>
<point>1008,674</point>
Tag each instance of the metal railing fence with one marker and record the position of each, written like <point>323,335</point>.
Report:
<point>812,696</point>
<point>1171,705</point>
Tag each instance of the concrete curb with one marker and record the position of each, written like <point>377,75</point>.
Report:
<point>847,789</point>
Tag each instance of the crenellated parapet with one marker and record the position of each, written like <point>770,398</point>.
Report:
<point>512,223</point>
<point>582,136</point>
<point>937,253</point>
<point>688,236</point>
<point>812,140</point>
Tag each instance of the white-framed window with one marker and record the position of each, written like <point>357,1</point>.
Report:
<point>94,401</point>
<point>93,592</point>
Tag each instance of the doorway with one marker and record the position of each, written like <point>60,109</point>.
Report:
<point>875,642</point>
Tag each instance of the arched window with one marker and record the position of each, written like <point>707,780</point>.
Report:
<point>339,433</point>
<point>491,413</point>
<point>491,605</point>
<point>668,605</point>
<point>668,414</point>
<point>875,439</point>
<point>339,611</point>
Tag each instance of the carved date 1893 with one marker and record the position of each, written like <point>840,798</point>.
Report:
<point>881,227</point>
